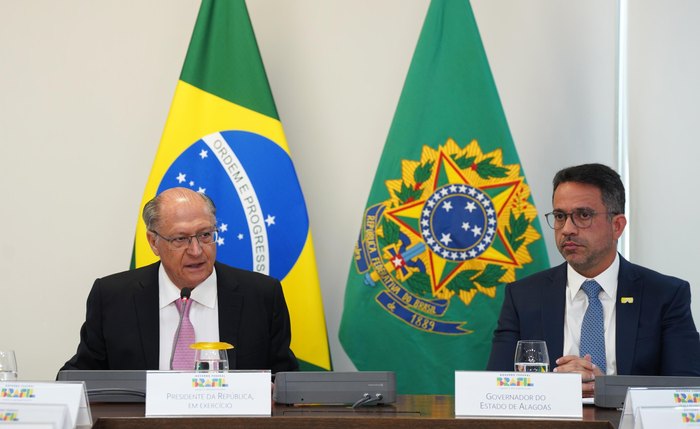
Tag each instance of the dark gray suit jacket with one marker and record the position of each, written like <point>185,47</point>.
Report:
<point>121,330</point>
<point>655,333</point>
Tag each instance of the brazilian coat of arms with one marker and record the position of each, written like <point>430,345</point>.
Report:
<point>456,224</point>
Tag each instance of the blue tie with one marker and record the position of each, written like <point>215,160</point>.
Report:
<point>592,330</point>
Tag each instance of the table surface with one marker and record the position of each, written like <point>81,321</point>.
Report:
<point>431,410</point>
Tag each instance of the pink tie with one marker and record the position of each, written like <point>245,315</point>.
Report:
<point>183,359</point>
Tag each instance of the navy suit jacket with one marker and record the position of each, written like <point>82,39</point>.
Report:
<point>122,328</point>
<point>655,333</point>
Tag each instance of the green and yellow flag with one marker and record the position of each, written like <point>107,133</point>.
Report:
<point>449,219</point>
<point>223,137</point>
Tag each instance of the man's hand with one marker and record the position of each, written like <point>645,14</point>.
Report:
<point>583,366</point>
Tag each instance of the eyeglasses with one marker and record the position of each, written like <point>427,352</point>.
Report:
<point>581,218</point>
<point>183,242</point>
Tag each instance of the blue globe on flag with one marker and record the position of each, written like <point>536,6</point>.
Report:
<point>262,221</point>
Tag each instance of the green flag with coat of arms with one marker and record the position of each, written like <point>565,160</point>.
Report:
<point>449,220</point>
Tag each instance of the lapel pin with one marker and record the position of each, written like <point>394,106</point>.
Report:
<point>627,300</point>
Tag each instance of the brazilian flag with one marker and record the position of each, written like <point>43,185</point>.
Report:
<point>448,222</point>
<point>224,138</point>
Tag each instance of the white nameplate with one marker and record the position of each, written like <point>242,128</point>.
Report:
<point>667,417</point>
<point>656,397</point>
<point>69,393</point>
<point>236,393</point>
<point>36,415</point>
<point>517,394</point>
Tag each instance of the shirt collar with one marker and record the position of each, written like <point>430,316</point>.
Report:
<point>607,279</point>
<point>204,293</point>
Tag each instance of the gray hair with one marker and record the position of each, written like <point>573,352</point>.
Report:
<point>151,211</point>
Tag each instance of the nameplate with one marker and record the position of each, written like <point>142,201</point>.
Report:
<point>34,415</point>
<point>667,417</point>
<point>236,393</point>
<point>69,393</point>
<point>517,394</point>
<point>638,397</point>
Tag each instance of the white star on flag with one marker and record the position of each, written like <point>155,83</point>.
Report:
<point>181,177</point>
<point>446,239</point>
<point>203,153</point>
<point>270,220</point>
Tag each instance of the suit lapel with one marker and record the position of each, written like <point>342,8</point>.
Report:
<point>230,305</point>
<point>553,311</point>
<point>627,316</point>
<point>148,314</point>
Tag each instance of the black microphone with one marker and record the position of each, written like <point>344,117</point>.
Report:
<point>185,293</point>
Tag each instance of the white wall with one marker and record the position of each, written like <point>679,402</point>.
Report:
<point>85,87</point>
<point>664,61</point>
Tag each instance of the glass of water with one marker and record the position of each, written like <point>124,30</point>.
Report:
<point>211,357</point>
<point>8,365</point>
<point>531,356</point>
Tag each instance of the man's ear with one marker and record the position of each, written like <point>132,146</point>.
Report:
<point>618,223</point>
<point>151,237</point>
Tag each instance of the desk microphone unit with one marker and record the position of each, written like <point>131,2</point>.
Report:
<point>109,386</point>
<point>356,388</point>
<point>611,390</point>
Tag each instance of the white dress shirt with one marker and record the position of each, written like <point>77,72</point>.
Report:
<point>577,303</point>
<point>204,313</point>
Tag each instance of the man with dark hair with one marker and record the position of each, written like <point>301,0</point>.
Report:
<point>133,318</point>
<point>598,313</point>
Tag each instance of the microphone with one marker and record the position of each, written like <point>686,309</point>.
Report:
<point>185,293</point>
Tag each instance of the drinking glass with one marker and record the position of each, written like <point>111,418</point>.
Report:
<point>8,365</point>
<point>211,357</point>
<point>531,356</point>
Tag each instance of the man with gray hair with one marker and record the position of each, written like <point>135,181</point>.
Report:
<point>133,318</point>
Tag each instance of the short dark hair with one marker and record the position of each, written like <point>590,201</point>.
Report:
<point>602,177</point>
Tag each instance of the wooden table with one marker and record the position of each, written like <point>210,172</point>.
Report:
<point>409,412</point>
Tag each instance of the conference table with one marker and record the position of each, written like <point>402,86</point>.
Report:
<point>409,412</point>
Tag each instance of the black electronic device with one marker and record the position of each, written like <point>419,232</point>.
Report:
<point>319,387</point>
<point>611,390</point>
<point>109,386</point>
